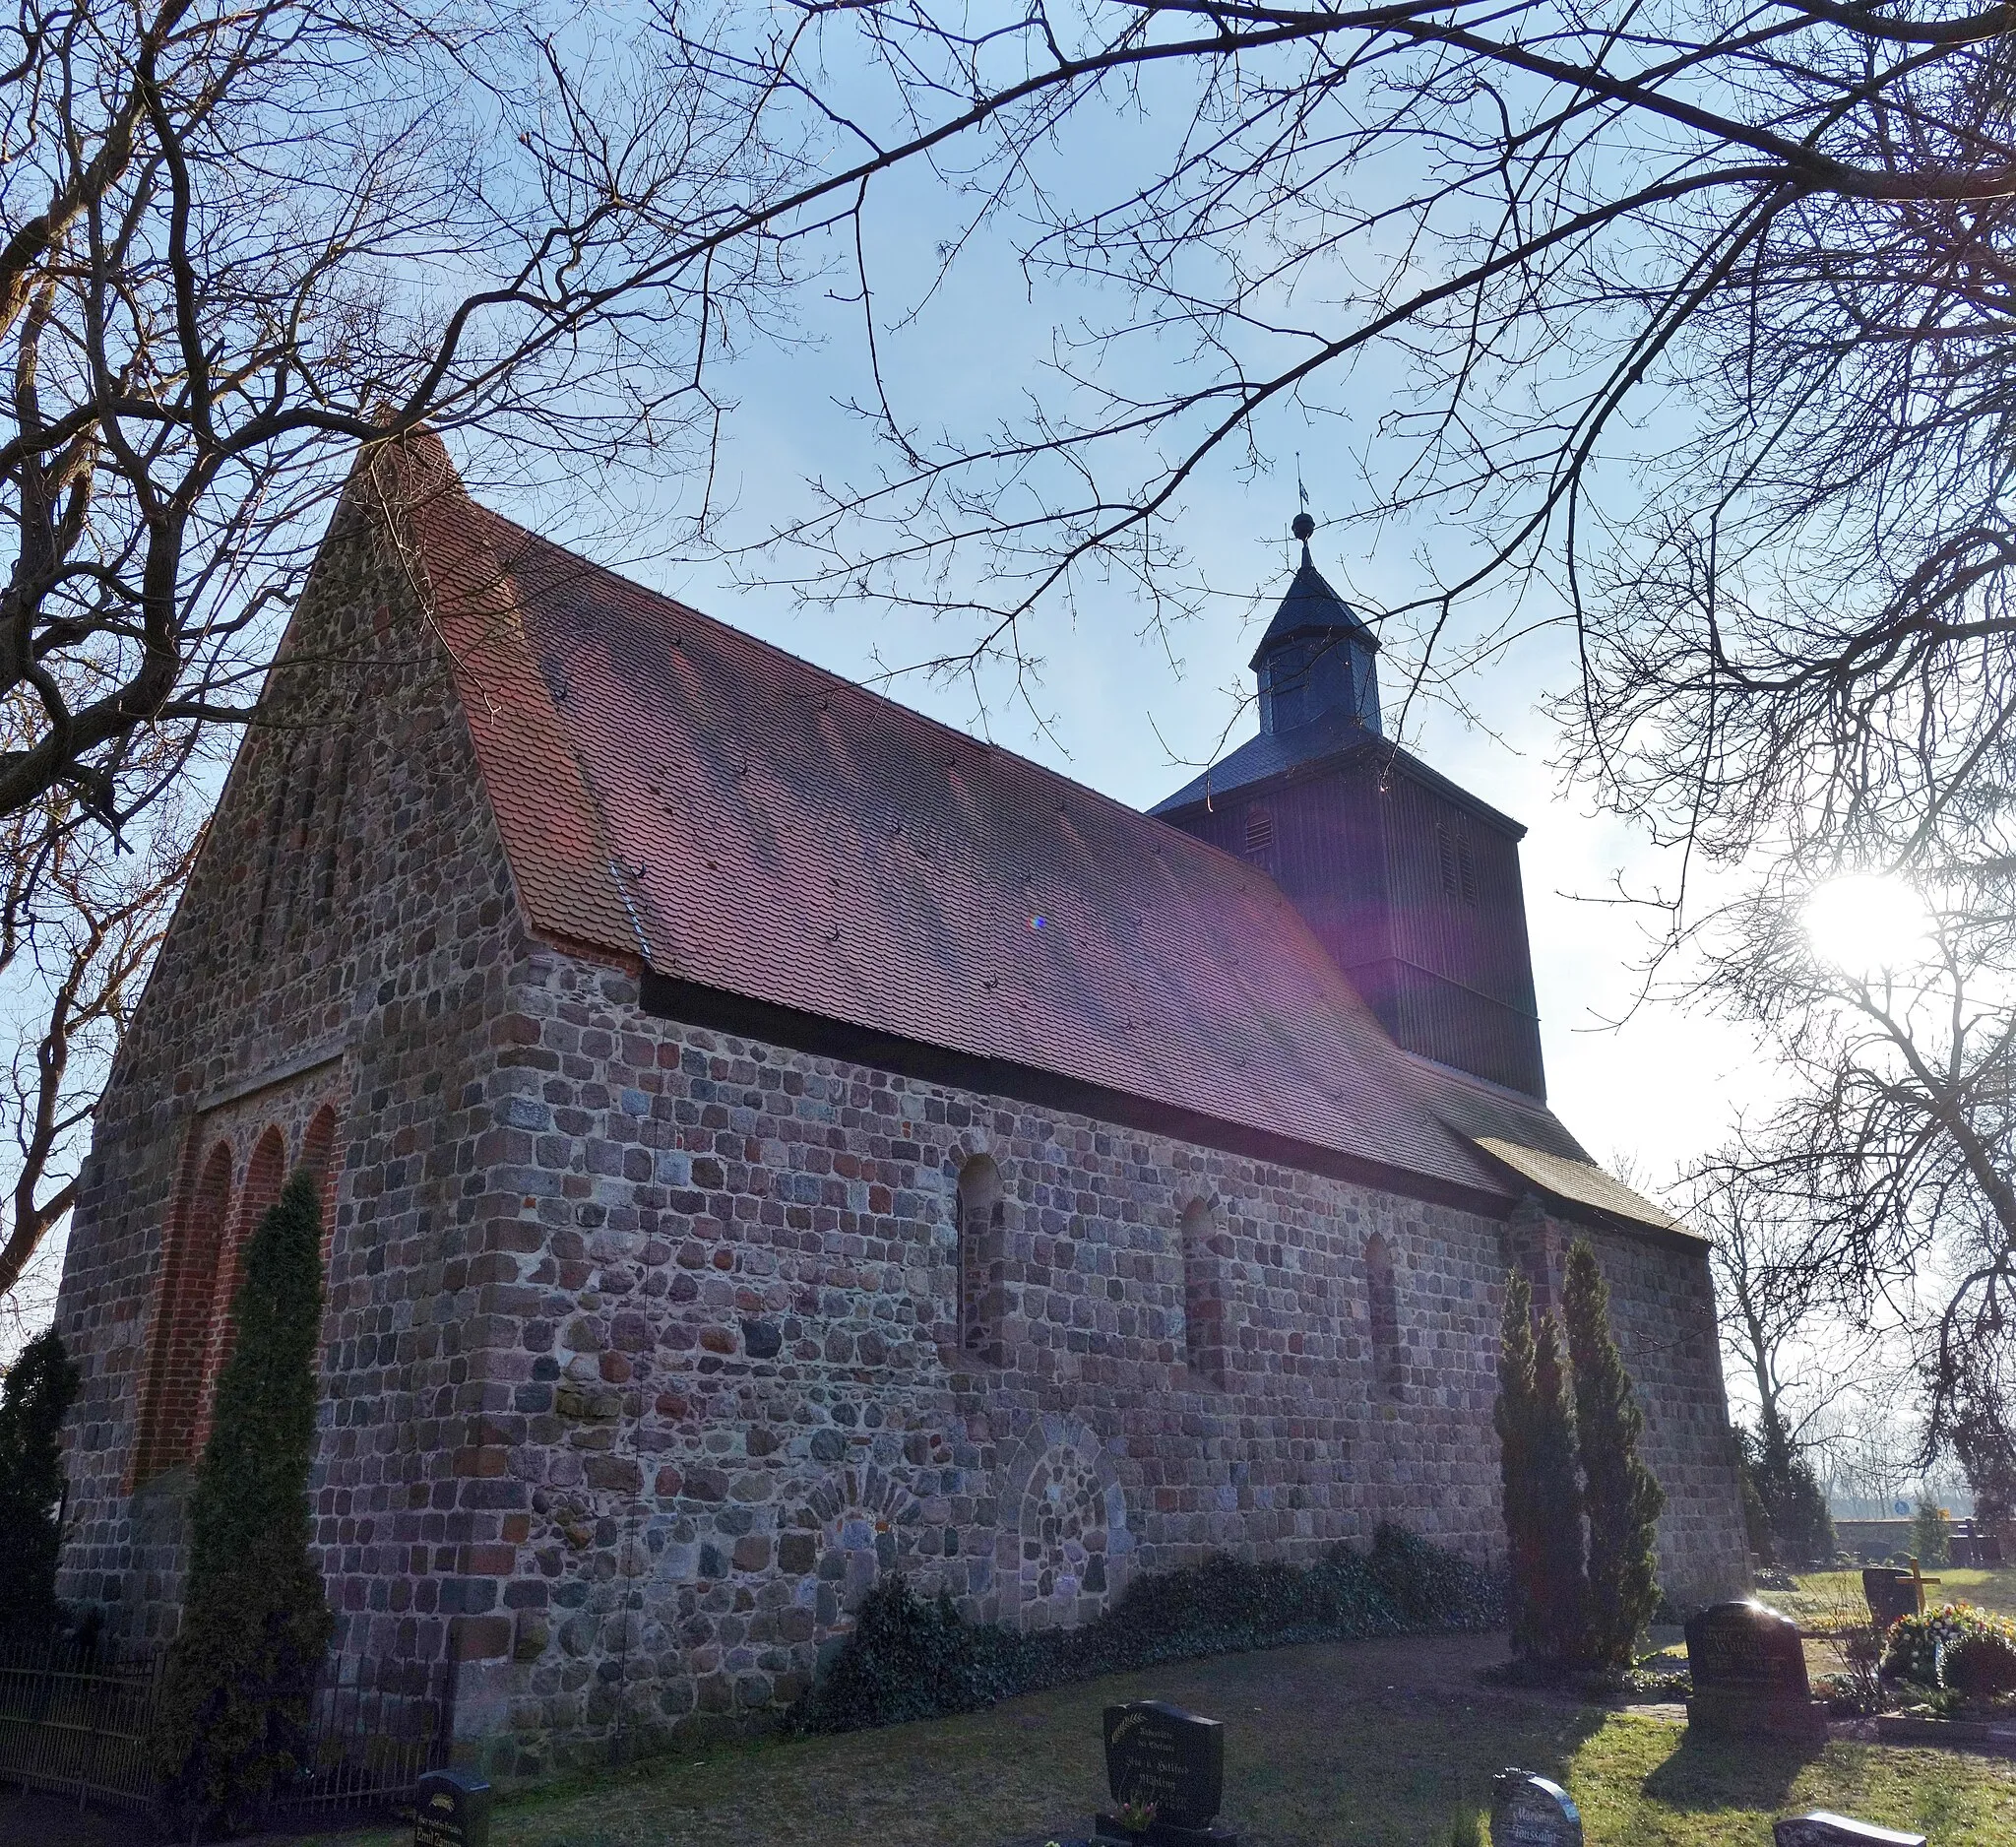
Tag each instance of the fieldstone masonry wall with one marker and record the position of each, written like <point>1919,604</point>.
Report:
<point>643,1345</point>
<point>347,937</point>
<point>736,1393</point>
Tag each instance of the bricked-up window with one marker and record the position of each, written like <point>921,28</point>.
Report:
<point>1383,1312</point>
<point>1203,1302</point>
<point>172,1391</point>
<point>318,1156</point>
<point>982,1262</point>
<point>264,1174</point>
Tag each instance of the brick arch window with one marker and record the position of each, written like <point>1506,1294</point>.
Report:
<point>982,1262</point>
<point>318,1156</point>
<point>1383,1311</point>
<point>1204,1293</point>
<point>173,1399</point>
<point>264,1174</point>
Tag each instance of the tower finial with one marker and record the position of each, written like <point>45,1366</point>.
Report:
<point>1303,527</point>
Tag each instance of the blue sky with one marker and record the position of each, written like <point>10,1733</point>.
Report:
<point>1117,704</point>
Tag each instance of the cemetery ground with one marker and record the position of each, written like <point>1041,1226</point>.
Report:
<point>1341,1744</point>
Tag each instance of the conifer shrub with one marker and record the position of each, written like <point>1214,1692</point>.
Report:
<point>1515,1417</point>
<point>1784,1507</point>
<point>35,1397</point>
<point>255,1622</point>
<point>1556,1501</point>
<point>1621,1498</point>
<point>1930,1536</point>
<point>912,1657</point>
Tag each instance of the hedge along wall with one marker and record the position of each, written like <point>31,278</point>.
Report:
<point>910,1657</point>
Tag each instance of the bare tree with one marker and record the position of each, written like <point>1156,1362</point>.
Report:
<point>1891,1159</point>
<point>79,927</point>
<point>1688,318</point>
<point>1774,1292</point>
<point>236,244</point>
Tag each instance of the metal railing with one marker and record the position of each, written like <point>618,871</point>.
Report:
<point>79,1721</point>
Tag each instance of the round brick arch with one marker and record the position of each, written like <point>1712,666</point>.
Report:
<point>1065,1545</point>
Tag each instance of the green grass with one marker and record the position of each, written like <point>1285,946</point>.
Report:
<point>1367,1743</point>
<point>1821,1593</point>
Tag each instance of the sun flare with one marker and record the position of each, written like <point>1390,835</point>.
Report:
<point>1866,921</point>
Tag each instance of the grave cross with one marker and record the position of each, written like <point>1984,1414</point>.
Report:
<point>1919,1581</point>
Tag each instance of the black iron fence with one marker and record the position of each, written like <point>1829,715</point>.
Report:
<point>377,1727</point>
<point>78,1720</point>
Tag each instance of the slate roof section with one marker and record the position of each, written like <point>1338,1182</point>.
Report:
<point>673,792</point>
<point>1312,607</point>
<point>1325,739</point>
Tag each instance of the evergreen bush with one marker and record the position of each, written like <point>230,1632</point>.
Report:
<point>35,1396</point>
<point>1930,1536</point>
<point>255,1623</point>
<point>1619,1494</point>
<point>1516,1418</point>
<point>1556,1501</point>
<point>912,1657</point>
<point>1756,1518</point>
<point>1790,1503</point>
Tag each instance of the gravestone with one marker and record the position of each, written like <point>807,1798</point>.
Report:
<point>452,1810</point>
<point>1822,1830</point>
<point>1893,1593</point>
<point>1528,1810</point>
<point>1890,1594</point>
<point>1749,1676</point>
<point>1160,1754</point>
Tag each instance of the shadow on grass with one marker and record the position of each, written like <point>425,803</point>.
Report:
<point>1705,1774</point>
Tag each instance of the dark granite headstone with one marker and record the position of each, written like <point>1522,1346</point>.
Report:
<point>1892,1593</point>
<point>1987,1551</point>
<point>1749,1676</point>
<point>452,1810</point>
<point>1822,1830</point>
<point>1162,1755</point>
<point>1528,1810</point>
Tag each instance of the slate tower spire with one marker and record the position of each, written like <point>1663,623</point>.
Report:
<point>1317,658</point>
<point>1410,882</point>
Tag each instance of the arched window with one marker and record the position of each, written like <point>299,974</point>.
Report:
<point>318,1156</point>
<point>1389,1367</point>
<point>172,1393</point>
<point>982,1262</point>
<point>1203,1302</point>
<point>263,1175</point>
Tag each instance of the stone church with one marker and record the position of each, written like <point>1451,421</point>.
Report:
<point>770,1140</point>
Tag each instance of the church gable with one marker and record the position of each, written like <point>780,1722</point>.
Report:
<point>324,996</point>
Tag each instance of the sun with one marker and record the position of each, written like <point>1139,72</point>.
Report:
<point>1866,921</point>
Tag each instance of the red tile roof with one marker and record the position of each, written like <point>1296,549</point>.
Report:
<point>672,790</point>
